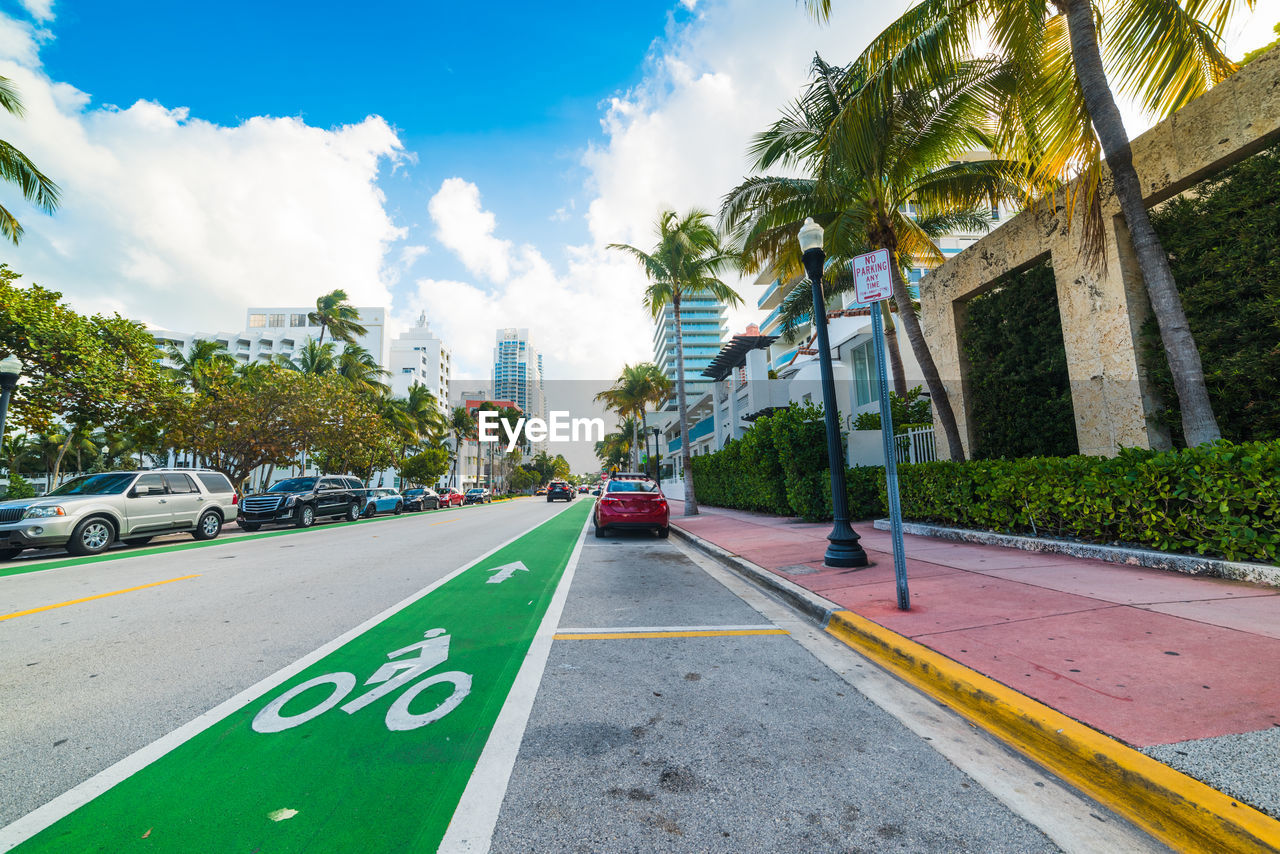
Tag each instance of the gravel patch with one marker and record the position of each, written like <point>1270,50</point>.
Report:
<point>1246,767</point>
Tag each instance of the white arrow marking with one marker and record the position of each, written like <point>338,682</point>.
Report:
<point>506,571</point>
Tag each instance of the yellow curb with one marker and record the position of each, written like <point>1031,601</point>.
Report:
<point>1178,810</point>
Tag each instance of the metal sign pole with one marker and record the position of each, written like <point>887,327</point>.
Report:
<point>890,462</point>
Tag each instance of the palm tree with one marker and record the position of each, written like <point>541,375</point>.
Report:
<point>335,313</point>
<point>196,366</point>
<point>866,164</point>
<point>636,389</point>
<point>17,169</point>
<point>462,425</point>
<point>358,367</point>
<point>1063,116</point>
<point>313,357</point>
<point>614,449</point>
<point>684,263</point>
<point>15,450</point>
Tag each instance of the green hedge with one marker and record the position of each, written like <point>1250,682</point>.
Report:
<point>1221,500</point>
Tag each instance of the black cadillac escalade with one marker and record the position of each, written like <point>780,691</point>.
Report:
<point>299,501</point>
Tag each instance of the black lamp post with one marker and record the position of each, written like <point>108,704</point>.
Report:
<point>843,549</point>
<point>10,370</point>
<point>657,451</point>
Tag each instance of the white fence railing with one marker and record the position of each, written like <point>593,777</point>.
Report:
<point>916,445</point>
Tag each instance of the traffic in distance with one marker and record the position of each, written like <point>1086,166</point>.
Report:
<point>88,515</point>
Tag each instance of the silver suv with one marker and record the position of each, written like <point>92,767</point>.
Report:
<point>88,514</point>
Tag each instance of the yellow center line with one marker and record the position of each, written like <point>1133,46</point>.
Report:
<point>445,522</point>
<point>91,598</point>
<point>674,634</point>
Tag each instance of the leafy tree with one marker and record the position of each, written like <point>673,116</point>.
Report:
<point>908,410</point>
<point>637,388</point>
<point>1254,54</point>
<point>685,262</point>
<point>426,467</point>
<point>463,427</point>
<point>17,169</point>
<point>1062,116</point>
<point>864,165</point>
<point>18,488</point>
<point>335,313</point>
<point>194,367</point>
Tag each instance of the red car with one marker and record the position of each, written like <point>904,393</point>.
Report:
<point>450,498</point>
<point>636,504</point>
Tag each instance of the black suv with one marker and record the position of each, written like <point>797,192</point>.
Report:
<point>299,501</point>
<point>560,490</point>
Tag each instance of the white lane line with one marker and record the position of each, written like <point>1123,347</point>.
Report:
<point>473,823</point>
<point>71,800</point>
<point>616,629</point>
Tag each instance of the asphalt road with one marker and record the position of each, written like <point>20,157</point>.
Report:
<point>85,685</point>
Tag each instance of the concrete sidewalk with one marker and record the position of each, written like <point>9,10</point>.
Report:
<point>1185,669</point>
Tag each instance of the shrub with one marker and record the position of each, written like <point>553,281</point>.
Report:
<point>911,411</point>
<point>19,488</point>
<point>1220,499</point>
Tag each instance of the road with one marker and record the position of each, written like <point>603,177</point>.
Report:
<point>599,695</point>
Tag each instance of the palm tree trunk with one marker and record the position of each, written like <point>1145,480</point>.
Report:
<point>635,442</point>
<point>933,382</point>
<point>690,499</point>
<point>1198,422</point>
<point>895,352</point>
<point>57,463</point>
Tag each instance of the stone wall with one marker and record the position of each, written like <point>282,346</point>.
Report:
<point>1103,306</point>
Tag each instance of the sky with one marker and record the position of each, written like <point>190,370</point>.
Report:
<point>472,162</point>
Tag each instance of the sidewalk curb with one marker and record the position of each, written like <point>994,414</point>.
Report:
<point>1180,811</point>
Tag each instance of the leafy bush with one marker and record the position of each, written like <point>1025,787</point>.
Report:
<point>910,411</point>
<point>1018,383</point>
<point>1220,499</point>
<point>1224,249</point>
<point>18,488</point>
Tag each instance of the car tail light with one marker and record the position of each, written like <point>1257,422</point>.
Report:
<point>610,500</point>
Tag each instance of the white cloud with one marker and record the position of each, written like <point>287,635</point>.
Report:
<point>20,41</point>
<point>41,10</point>
<point>463,226</point>
<point>182,223</point>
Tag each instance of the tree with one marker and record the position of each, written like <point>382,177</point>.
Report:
<point>194,368</point>
<point>685,262</point>
<point>866,162</point>
<point>614,450</point>
<point>313,357</point>
<point>1254,54</point>
<point>426,467</point>
<point>16,168</point>
<point>463,426</point>
<point>357,366</point>
<point>335,313</point>
<point>636,389</point>
<point>1062,117</point>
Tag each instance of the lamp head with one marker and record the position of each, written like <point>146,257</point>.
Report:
<point>811,249</point>
<point>10,370</point>
<point>810,235</point>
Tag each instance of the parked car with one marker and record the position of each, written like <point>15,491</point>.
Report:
<point>451,498</point>
<point>476,495</point>
<point>87,514</point>
<point>300,501</point>
<point>632,503</point>
<point>383,500</point>
<point>559,490</point>
<point>420,498</point>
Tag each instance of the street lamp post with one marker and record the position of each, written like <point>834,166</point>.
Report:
<point>843,549</point>
<point>657,452</point>
<point>10,370</point>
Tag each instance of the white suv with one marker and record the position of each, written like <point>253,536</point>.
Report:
<point>87,514</point>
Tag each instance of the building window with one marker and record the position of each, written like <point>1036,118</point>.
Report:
<point>257,320</point>
<point>995,213</point>
<point>866,385</point>
<point>406,370</point>
<point>276,320</point>
<point>297,320</point>
<point>916,273</point>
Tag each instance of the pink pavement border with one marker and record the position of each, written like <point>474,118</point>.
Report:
<point>1145,656</point>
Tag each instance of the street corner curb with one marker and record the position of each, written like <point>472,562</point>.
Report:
<point>806,601</point>
<point>1182,812</point>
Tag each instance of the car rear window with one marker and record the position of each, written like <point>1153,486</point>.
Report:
<point>215,482</point>
<point>632,486</point>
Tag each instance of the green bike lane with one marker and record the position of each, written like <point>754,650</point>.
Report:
<point>368,745</point>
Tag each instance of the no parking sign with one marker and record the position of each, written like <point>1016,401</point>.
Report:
<point>871,278</point>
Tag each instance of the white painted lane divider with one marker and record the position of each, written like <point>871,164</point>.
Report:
<point>502,573</point>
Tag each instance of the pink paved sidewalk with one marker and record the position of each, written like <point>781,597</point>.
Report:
<point>1147,656</point>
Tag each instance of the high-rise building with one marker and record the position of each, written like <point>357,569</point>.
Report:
<point>517,372</point>
<point>703,328</point>
<point>419,356</point>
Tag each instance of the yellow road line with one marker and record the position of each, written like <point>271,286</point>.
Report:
<point>1182,812</point>
<point>91,598</point>
<point>674,634</point>
<point>445,522</point>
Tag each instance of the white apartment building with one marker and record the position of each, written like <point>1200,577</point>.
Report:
<point>517,372</point>
<point>419,356</point>
<point>702,331</point>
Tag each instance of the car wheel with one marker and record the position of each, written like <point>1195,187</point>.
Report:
<point>353,512</point>
<point>399,509</point>
<point>369,511</point>
<point>9,553</point>
<point>91,537</point>
<point>664,532</point>
<point>435,505</point>
<point>209,526</point>
<point>136,541</point>
<point>306,516</point>
<point>249,526</point>
<point>599,532</point>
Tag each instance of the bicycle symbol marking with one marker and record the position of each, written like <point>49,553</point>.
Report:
<point>391,676</point>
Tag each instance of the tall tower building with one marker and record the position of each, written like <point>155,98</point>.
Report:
<point>419,356</point>
<point>517,372</point>
<point>703,329</point>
